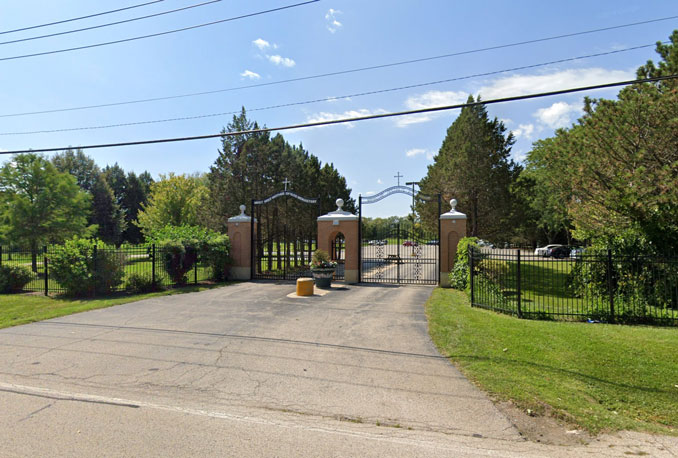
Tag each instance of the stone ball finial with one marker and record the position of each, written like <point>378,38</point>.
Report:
<point>340,204</point>
<point>242,209</point>
<point>453,204</point>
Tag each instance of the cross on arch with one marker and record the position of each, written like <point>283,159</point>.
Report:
<point>286,182</point>
<point>398,176</point>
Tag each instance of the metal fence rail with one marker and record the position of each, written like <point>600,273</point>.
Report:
<point>604,287</point>
<point>145,262</point>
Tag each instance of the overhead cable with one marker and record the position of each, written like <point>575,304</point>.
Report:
<point>325,99</point>
<point>80,18</point>
<point>152,35</point>
<point>354,119</point>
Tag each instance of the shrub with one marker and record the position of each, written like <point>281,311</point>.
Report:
<point>138,283</point>
<point>321,260</point>
<point>216,252</point>
<point>76,268</point>
<point>13,278</point>
<point>178,258</point>
<point>460,275</point>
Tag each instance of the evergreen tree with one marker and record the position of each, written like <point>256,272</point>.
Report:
<point>136,195</point>
<point>106,213</point>
<point>78,164</point>
<point>474,167</point>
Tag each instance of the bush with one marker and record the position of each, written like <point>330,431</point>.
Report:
<point>460,275</point>
<point>76,268</point>
<point>138,283</point>
<point>13,278</point>
<point>182,246</point>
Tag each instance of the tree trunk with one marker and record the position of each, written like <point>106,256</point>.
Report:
<point>34,256</point>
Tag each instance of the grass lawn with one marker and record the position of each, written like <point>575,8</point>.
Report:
<point>598,376</point>
<point>16,309</point>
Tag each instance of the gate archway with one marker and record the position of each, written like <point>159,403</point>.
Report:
<point>404,253</point>
<point>284,236</point>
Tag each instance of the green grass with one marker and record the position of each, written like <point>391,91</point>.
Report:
<point>598,376</point>
<point>16,309</point>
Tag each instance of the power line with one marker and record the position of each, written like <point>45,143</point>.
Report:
<point>109,24</point>
<point>354,119</point>
<point>152,35</point>
<point>326,99</point>
<point>80,18</point>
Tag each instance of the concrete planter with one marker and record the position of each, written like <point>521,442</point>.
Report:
<point>323,277</point>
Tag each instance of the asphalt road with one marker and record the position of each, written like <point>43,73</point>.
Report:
<point>246,371</point>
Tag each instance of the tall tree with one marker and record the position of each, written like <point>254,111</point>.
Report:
<point>39,204</point>
<point>117,180</point>
<point>106,213</point>
<point>136,195</point>
<point>474,167</point>
<point>78,164</point>
<point>175,200</point>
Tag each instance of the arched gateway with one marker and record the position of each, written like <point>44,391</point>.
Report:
<point>403,253</point>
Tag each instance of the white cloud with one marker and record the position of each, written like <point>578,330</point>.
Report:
<point>427,100</point>
<point>250,74</point>
<point>261,43</point>
<point>524,131</point>
<point>326,116</point>
<point>333,23</point>
<point>560,114</point>
<point>414,152</point>
<point>379,181</point>
<point>279,60</point>
<point>528,84</point>
<point>370,193</point>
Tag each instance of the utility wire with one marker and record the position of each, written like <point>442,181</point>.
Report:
<point>101,26</point>
<point>325,99</point>
<point>323,75</point>
<point>354,119</point>
<point>80,18</point>
<point>168,32</point>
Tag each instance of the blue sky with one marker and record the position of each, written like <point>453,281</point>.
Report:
<point>328,36</point>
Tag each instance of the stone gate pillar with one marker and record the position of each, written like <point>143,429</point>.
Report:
<point>240,235</point>
<point>452,229</point>
<point>333,223</point>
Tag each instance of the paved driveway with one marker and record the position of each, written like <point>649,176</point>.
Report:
<point>245,371</point>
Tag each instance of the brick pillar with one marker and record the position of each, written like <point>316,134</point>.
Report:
<point>240,234</point>
<point>329,226</point>
<point>452,229</point>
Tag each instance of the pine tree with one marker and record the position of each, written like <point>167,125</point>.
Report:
<point>106,213</point>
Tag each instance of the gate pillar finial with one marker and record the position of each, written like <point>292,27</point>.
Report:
<point>452,229</point>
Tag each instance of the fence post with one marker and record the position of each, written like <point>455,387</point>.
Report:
<point>153,265</point>
<point>94,273</point>
<point>44,263</point>
<point>195,269</point>
<point>470,267</point>
<point>0,255</point>
<point>609,283</point>
<point>520,311</point>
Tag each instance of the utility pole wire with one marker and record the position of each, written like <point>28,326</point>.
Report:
<point>152,35</point>
<point>80,18</point>
<point>336,73</point>
<point>324,99</point>
<point>354,119</point>
<point>109,24</point>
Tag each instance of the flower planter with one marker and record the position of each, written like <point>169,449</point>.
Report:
<point>323,276</point>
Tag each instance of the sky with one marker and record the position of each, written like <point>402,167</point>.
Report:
<point>318,38</point>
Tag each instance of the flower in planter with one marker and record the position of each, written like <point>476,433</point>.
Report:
<point>321,260</point>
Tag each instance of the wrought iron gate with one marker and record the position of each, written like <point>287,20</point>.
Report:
<point>403,253</point>
<point>284,236</point>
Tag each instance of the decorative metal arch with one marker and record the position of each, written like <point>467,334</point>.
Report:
<point>394,190</point>
<point>285,193</point>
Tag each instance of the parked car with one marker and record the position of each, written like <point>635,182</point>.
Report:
<point>410,243</point>
<point>558,252</point>
<point>576,252</point>
<point>382,242</point>
<point>542,251</point>
<point>432,242</point>
<point>484,244</point>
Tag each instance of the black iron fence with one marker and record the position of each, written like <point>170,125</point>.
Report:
<point>137,267</point>
<point>599,287</point>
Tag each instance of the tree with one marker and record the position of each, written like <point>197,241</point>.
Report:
<point>474,167</point>
<point>39,204</point>
<point>106,213</point>
<point>78,164</point>
<point>176,200</point>
<point>136,195</point>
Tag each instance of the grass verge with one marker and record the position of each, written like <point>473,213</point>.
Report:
<point>16,309</point>
<point>597,376</point>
